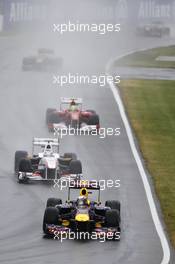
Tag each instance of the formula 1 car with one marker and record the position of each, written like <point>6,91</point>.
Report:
<point>47,165</point>
<point>154,29</point>
<point>71,115</point>
<point>82,215</point>
<point>45,60</point>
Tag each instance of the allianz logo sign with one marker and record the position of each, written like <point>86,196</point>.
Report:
<point>145,9</point>
<point>153,9</point>
<point>23,11</point>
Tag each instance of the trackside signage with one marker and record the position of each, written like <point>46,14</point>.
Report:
<point>19,13</point>
<point>22,13</point>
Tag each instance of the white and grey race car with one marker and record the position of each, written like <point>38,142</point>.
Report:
<point>48,164</point>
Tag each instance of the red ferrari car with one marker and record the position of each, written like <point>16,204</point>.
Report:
<point>71,115</point>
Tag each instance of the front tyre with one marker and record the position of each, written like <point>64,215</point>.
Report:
<point>50,217</point>
<point>19,154</point>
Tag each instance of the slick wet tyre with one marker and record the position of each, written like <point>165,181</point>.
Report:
<point>112,218</point>
<point>52,202</point>
<point>94,120</point>
<point>50,217</point>
<point>91,111</point>
<point>113,204</point>
<point>25,165</point>
<point>19,154</point>
<point>54,118</point>
<point>48,112</point>
<point>70,155</point>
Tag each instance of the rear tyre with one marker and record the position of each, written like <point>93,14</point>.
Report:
<point>113,204</point>
<point>19,154</point>
<point>50,217</point>
<point>54,118</point>
<point>25,165</point>
<point>70,155</point>
<point>94,120</point>
<point>91,111</point>
<point>75,167</point>
<point>112,218</point>
<point>52,202</point>
<point>28,63</point>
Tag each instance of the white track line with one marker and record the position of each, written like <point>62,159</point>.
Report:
<point>151,202</point>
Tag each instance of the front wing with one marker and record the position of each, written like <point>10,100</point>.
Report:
<point>33,176</point>
<point>59,231</point>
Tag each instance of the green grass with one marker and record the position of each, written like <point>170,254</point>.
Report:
<point>147,58</point>
<point>151,108</point>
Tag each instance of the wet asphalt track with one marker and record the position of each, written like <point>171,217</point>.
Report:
<point>24,98</point>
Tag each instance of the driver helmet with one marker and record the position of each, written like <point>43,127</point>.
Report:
<point>73,106</point>
<point>48,150</point>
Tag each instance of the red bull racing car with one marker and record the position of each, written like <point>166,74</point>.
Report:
<point>82,216</point>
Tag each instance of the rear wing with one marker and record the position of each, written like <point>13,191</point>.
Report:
<point>68,100</point>
<point>90,185</point>
<point>45,141</point>
<point>45,51</point>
